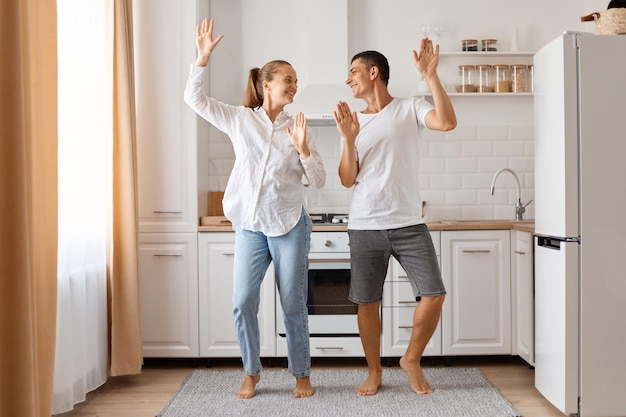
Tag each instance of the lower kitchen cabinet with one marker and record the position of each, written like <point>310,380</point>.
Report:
<point>476,318</point>
<point>522,279</point>
<point>168,292</point>
<point>332,347</point>
<point>398,307</point>
<point>488,274</point>
<point>218,337</point>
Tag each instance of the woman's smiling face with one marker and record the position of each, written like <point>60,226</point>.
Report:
<point>283,87</point>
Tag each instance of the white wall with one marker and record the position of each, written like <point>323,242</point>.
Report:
<point>457,166</point>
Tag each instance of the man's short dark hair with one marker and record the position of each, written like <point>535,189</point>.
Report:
<point>375,59</point>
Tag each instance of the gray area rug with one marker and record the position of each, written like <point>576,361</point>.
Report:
<point>462,392</point>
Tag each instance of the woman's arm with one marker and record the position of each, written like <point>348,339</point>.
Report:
<point>205,42</point>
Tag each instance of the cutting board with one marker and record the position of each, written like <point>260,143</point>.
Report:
<point>214,221</point>
<point>215,203</point>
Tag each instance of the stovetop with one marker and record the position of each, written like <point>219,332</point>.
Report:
<point>329,218</point>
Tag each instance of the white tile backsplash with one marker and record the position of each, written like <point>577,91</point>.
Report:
<point>456,170</point>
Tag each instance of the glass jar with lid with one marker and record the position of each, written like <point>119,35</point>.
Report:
<point>467,74</point>
<point>501,81</point>
<point>531,78</point>
<point>489,45</point>
<point>469,45</point>
<point>519,78</point>
<point>484,75</point>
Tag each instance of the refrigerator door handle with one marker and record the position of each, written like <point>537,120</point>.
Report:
<point>554,243</point>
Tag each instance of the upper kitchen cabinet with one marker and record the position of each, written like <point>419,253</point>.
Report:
<point>166,128</point>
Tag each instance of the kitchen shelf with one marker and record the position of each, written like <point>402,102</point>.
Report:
<point>494,54</point>
<point>476,95</point>
<point>449,62</point>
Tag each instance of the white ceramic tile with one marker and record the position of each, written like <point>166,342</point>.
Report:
<point>460,165</point>
<point>461,197</point>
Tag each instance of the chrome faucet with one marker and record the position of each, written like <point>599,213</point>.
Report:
<point>519,207</point>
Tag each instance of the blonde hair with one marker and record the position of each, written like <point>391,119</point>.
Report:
<point>253,97</point>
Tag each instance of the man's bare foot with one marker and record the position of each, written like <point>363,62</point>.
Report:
<point>247,389</point>
<point>416,377</point>
<point>303,388</point>
<point>372,383</point>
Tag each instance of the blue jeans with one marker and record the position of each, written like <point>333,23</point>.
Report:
<point>290,253</point>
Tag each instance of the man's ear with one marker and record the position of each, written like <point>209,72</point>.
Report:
<point>373,72</point>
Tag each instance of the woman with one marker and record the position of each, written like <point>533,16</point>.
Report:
<point>264,202</point>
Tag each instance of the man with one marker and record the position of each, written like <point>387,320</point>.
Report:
<point>380,158</point>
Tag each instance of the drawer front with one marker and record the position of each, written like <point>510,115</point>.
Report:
<point>400,294</point>
<point>327,346</point>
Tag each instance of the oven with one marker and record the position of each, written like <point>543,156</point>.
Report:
<point>332,317</point>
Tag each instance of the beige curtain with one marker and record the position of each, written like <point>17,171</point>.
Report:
<point>28,209</point>
<point>125,332</point>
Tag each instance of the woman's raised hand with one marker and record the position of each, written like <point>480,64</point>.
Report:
<point>298,135</point>
<point>205,42</point>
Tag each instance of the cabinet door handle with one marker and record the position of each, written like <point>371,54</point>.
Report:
<point>476,251</point>
<point>174,255</point>
<point>329,347</point>
<point>167,211</point>
<point>520,252</point>
<point>407,302</point>
<point>405,327</point>
<point>228,253</point>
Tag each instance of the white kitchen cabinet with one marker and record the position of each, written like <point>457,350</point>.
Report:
<point>476,318</point>
<point>167,179</point>
<point>168,288</point>
<point>166,126</point>
<point>218,337</point>
<point>398,308</point>
<point>522,280</point>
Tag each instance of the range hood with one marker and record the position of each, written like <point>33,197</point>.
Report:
<point>327,63</point>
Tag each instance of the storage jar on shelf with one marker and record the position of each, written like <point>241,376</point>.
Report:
<point>489,45</point>
<point>519,78</point>
<point>531,78</point>
<point>484,75</point>
<point>469,45</point>
<point>467,74</point>
<point>501,82</point>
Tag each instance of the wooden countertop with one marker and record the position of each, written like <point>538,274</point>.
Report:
<point>221,224</point>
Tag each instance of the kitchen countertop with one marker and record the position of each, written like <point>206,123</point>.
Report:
<point>221,224</point>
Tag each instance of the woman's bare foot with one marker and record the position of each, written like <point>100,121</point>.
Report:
<point>247,389</point>
<point>416,377</point>
<point>372,383</point>
<point>303,388</point>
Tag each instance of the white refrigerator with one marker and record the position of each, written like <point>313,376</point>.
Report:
<point>580,224</point>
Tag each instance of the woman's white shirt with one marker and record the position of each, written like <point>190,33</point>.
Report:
<point>265,190</point>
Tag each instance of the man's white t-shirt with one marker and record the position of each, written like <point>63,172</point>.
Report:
<point>386,193</point>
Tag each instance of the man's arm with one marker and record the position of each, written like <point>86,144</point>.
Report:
<point>426,62</point>
<point>348,127</point>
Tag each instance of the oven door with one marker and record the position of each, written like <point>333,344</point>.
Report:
<point>330,311</point>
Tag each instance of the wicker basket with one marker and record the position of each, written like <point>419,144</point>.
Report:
<point>608,22</point>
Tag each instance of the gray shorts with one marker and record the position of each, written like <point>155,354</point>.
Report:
<point>413,248</point>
